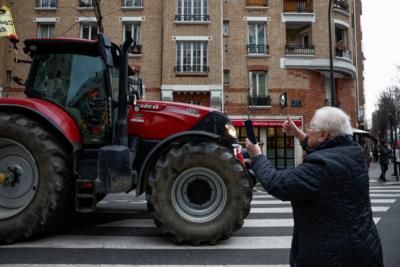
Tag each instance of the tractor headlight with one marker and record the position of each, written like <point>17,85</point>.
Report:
<point>231,130</point>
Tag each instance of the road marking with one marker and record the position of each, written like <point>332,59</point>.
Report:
<point>130,265</point>
<point>385,190</point>
<point>388,200</point>
<point>384,195</point>
<point>148,243</point>
<point>268,202</point>
<point>289,210</point>
<point>251,223</point>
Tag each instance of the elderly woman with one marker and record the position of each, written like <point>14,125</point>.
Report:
<point>329,192</point>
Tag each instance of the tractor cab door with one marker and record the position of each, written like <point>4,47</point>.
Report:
<point>77,81</point>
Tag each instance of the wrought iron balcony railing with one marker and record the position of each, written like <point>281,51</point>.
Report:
<point>46,3</point>
<point>132,3</point>
<point>191,69</point>
<point>341,4</point>
<point>263,3</point>
<point>137,49</point>
<point>192,18</point>
<point>258,49</point>
<point>85,3</point>
<point>299,50</point>
<point>298,6</point>
<point>345,53</point>
<point>259,100</point>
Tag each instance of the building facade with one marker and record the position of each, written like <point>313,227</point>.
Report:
<point>237,56</point>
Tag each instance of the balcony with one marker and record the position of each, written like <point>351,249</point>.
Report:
<point>257,3</point>
<point>131,3</point>
<point>46,4</point>
<point>343,53</point>
<point>258,49</point>
<point>298,6</point>
<point>191,69</point>
<point>192,18</point>
<point>86,3</point>
<point>261,101</point>
<point>341,5</point>
<point>135,50</point>
<point>299,50</point>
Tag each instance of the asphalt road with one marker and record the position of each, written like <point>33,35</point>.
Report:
<point>121,233</point>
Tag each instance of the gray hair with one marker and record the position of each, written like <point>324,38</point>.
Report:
<point>333,120</point>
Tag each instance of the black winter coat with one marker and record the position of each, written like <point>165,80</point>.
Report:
<point>329,193</point>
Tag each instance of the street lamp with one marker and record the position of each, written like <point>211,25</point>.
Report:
<point>332,78</point>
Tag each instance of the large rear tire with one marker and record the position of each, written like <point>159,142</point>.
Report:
<point>37,192</point>
<point>200,193</point>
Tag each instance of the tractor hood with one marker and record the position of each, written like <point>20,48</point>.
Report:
<point>158,120</point>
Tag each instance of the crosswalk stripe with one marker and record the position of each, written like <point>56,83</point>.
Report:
<point>266,202</point>
<point>151,243</point>
<point>388,200</point>
<point>149,223</point>
<point>384,195</point>
<point>385,187</point>
<point>289,210</point>
<point>385,190</point>
<point>130,265</point>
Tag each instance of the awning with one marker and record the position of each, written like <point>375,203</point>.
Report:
<point>265,122</point>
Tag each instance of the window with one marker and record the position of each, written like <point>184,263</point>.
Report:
<point>227,78</point>
<point>257,38</point>
<point>191,56</point>
<point>85,3</point>
<point>226,27</point>
<point>258,95</point>
<point>192,10</point>
<point>132,29</point>
<point>46,3</point>
<point>280,148</point>
<point>89,31</point>
<point>258,84</point>
<point>132,3</point>
<point>45,30</point>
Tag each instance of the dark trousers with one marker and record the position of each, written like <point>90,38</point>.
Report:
<point>384,168</point>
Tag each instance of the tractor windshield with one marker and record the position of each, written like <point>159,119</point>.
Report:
<point>77,83</point>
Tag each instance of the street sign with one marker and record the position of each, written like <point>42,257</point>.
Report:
<point>283,100</point>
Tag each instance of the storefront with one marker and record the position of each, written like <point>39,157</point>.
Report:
<point>283,151</point>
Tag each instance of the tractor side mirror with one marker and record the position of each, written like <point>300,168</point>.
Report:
<point>135,89</point>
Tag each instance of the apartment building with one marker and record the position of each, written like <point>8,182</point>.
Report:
<point>237,56</point>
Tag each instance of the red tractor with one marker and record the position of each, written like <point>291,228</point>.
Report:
<point>83,132</point>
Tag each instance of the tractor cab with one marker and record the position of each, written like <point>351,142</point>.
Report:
<point>81,76</point>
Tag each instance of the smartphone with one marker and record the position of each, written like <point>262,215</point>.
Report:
<point>250,131</point>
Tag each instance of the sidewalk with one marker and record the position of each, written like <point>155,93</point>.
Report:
<point>375,171</point>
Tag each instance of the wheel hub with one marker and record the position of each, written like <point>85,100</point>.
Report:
<point>11,176</point>
<point>199,195</point>
<point>198,191</point>
<point>18,177</point>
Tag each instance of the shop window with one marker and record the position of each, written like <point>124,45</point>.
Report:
<point>280,148</point>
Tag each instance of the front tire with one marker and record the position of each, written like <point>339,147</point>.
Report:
<point>38,192</point>
<point>200,193</point>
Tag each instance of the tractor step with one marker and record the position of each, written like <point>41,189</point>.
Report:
<point>85,197</point>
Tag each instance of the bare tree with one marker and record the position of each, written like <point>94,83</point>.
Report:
<point>387,114</point>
